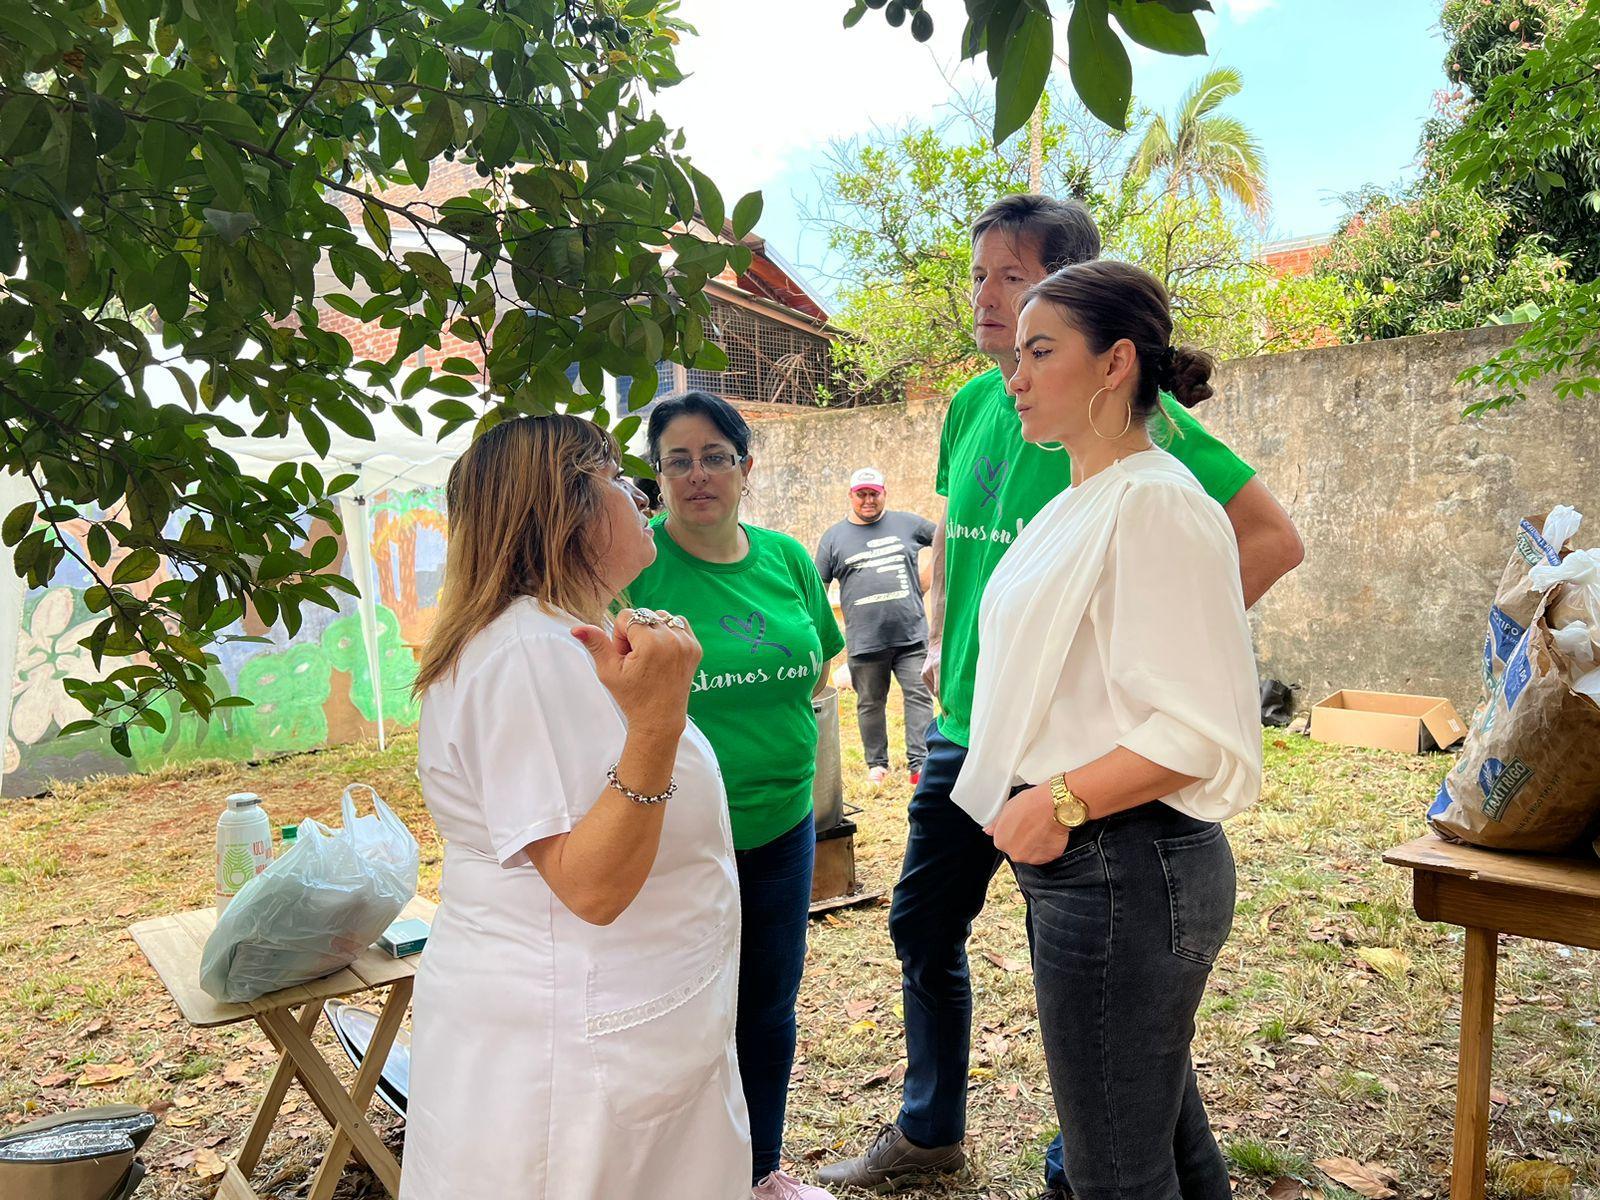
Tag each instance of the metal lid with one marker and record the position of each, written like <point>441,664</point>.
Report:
<point>242,800</point>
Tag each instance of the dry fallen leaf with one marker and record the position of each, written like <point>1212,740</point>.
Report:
<point>1285,1187</point>
<point>1391,964</point>
<point>60,1079</point>
<point>1366,1179</point>
<point>1535,1178</point>
<point>208,1163</point>
<point>857,1009</point>
<point>97,1074</point>
<point>1004,963</point>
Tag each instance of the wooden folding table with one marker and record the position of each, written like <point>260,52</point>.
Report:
<point>173,945</point>
<point>1490,892</point>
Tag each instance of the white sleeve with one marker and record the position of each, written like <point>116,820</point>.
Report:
<point>1180,663</point>
<point>525,737</point>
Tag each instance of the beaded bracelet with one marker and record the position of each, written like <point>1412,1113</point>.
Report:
<point>636,797</point>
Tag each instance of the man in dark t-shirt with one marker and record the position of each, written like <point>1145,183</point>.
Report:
<point>873,555</point>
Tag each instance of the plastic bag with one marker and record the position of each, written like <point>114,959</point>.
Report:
<point>314,910</point>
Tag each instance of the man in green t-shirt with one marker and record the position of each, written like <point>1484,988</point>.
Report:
<point>995,483</point>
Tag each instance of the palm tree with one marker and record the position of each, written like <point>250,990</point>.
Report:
<point>1205,148</point>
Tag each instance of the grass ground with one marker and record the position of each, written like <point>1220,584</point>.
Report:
<point>1329,1029</point>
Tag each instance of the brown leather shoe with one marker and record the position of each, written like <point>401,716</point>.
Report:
<point>893,1162</point>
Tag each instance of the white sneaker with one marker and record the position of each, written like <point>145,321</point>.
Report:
<point>782,1186</point>
<point>877,775</point>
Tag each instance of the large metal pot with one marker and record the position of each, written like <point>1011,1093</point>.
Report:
<point>827,788</point>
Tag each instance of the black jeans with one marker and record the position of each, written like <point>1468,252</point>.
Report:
<point>1126,926</point>
<point>775,899</point>
<point>869,675</point>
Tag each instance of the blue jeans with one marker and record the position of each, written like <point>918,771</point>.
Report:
<point>775,901</point>
<point>943,884</point>
<point>1125,928</point>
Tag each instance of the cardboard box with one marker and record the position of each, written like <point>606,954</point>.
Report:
<point>1387,721</point>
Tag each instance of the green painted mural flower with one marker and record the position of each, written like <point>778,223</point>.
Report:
<point>397,669</point>
<point>287,691</point>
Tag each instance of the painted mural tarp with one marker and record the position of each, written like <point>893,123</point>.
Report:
<point>315,689</point>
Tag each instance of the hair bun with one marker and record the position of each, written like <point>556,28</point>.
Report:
<point>1189,376</point>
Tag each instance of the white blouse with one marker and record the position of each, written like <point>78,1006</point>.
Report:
<point>1117,619</point>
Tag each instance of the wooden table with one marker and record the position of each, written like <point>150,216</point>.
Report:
<point>1490,892</point>
<point>173,945</point>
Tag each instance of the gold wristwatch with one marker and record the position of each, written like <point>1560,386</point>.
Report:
<point>1070,811</point>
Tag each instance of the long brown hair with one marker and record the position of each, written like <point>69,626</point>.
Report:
<point>524,508</point>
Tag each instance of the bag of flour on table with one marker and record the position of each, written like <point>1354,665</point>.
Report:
<point>1529,778</point>
<point>1541,542</point>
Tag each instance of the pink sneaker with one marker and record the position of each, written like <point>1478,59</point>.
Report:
<point>782,1186</point>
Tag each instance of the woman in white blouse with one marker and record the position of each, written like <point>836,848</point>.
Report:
<point>574,1013</point>
<point>1116,724</point>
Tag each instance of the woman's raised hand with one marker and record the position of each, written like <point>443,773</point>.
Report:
<point>647,663</point>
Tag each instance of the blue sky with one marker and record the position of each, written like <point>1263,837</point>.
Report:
<point>1336,90</point>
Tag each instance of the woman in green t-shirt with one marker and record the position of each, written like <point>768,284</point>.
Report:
<point>757,604</point>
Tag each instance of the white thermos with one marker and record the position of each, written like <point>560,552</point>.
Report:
<point>244,845</point>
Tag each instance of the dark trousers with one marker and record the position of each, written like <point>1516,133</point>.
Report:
<point>943,884</point>
<point>1126,926</point>
<point>869,675</point>
<point>775,898</point>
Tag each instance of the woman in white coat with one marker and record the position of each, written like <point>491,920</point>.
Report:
<point>1115,725</point>
<point>574,1012</point>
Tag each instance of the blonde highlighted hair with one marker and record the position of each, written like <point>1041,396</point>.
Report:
<point>525,511</point>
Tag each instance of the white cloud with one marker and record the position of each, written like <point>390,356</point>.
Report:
<point>772,78</point>
<point>1240,11</point>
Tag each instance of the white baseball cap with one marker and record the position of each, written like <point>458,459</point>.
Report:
<point>867,477</point>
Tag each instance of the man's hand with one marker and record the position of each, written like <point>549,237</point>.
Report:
<point>1026,831</point>
<point>930,669</point>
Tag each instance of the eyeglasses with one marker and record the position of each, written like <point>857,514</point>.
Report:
<point>713,464</point>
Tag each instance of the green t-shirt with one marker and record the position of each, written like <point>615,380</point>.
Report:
<point>996,483</point>
<point>766,629</point>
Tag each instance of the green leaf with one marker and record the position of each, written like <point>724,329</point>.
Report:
<point>857,11</point>
<point>746,213</point>
<point>1159,27</point>
<point>139,565</point>
<point>453,410</point>
<point>166,150</point>
<point>348,417</point>
<point>1098,63</point>
<point>453,385</point>
<point>1025,70</point>
<point>407,417</point>
<point>709,200</point>
<point>17,523</point>
<point>375,219</point>
<point>224,168</point>
<point>434,129</point>
<point>16,322</point>
<point>172,286</point>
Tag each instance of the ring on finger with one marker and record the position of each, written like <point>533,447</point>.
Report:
<point>642,616</point>
<point>677,622</point>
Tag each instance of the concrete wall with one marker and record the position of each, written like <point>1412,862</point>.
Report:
<point>1407,510</point>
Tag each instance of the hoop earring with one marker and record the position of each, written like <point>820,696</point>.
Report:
<point>1126,425</point>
